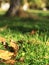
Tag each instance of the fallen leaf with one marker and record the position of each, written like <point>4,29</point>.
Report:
<point>14,45</point>
<point>10,61</point>
<point>6,55</point>
<point>32,32</point>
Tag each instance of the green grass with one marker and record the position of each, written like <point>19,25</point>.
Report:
<point>39,12</point>
<point>33,47</point>
<point>2,12</point>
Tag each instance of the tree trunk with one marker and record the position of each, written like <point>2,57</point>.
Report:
<point>0,3</point>
<point>14,7</point>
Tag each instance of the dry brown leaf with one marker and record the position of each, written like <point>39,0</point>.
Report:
<point>14,45</point>
<point>6,55</point>
<point>33,32</point>
<point>10,61</point>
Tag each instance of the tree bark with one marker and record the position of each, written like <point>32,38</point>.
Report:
<point>0,3</point>
<point>14,7</point>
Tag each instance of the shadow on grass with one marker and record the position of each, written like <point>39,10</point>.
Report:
<point>23,24</point>
<point>21,29</point>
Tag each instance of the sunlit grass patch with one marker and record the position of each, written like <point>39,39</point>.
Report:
<point>2,12</point>
<point>39,12</point>
<point>31,35</point>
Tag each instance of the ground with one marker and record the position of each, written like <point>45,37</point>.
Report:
<point>32,36</point>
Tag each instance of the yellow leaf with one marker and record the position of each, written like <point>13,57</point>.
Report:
<point>6,55</point>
